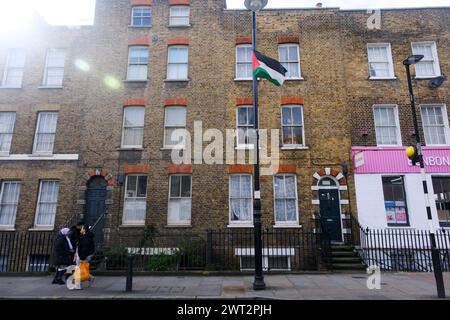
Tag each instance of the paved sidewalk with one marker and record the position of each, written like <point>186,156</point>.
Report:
<point>293,287</point>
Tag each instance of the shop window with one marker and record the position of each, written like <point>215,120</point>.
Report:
<point>395,201</point>
<point>441,187</point>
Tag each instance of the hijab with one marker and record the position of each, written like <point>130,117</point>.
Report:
<point>65,232</point>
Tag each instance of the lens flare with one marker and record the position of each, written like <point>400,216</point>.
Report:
<point>82,65</point>
<point>112,82</point>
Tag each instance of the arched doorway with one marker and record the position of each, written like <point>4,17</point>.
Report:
<point>95,200</point>
<point>330,207</point>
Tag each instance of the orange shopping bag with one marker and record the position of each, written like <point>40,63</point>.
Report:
<point>82,272</point>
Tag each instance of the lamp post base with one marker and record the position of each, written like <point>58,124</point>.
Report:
<point>259,284</point>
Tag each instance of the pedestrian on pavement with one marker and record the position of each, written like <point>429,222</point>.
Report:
<point>74,236</point>
<point>63,252</point>
<point>86,244</point>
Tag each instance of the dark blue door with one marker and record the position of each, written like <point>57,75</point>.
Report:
<point>330,213</point>
<point>95,200</point>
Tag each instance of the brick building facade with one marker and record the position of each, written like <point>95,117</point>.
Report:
<point>103,78</point>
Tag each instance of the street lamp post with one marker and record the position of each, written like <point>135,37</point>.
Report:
<point>258,284</point>
<point>434,251</point>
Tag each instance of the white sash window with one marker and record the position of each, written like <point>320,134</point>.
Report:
<point>9,200</point>
<point>47,203</point>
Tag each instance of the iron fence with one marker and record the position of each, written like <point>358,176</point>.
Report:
<point>283,250</point>
<point>403,249</point>
<point>26,251</point>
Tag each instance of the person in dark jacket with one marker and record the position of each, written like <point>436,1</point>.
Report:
<point>62,255</point>
<point>75,232</point>
<point>86,244</point>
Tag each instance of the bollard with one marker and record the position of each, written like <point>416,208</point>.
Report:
<point>129,285</point>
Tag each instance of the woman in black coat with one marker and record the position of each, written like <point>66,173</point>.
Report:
<point>62,255</point>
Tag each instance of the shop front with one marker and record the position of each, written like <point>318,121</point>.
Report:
<point>389,192</point>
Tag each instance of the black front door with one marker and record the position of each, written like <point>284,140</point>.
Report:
<point>95,200</point>
<point>330,213</point>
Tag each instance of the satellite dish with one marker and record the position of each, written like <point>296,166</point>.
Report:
<point>436,82</point>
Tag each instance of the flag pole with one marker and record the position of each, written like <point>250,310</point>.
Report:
<point>258,283</point>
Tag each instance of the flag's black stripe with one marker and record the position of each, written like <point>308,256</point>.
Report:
<point>271,63</point>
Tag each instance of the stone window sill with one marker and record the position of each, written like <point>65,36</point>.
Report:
<point>134,81</point>
<point>7,229</point>
<point>10,87</point>
<point>294,148</point>
<point>132,225</point>
<point>41,229</point>
<point>50,87</point>
<point>140,27</point>
<point>177,80</point>
<point>288,226</point>
<point>231,225</point>
<point>171,226</point>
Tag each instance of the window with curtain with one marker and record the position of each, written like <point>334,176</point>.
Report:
<point>137,63</point>
<point>246,135</point>
<point>47,203</point>
<point>244,69</point>
<point>395,201</point>
<point>54,67</point>
<point>14,67</point>
<point>9,200</point>
<point>45,132</point>
<point>286,200</point>
<point>133,127</point>
<point>292,126</point>
<point>38,262</point>
<point>289,55</point>
<point>7,121</point>
<point>428,67</point>
<point>179,15</point>
<point>380,60</point>
<point>241,199</point>
<point>135,205</point>
<point>141,16</point>
<point>180,200</point>
<point>441,187</point>
<point>177,66</point>
<point>175,119</point>
<point>435,124</point>
<point>386,125</point>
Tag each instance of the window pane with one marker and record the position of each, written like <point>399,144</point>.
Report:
<point>175,186</point>
<point>9,200</point>
<point>186,186</point>
<point>178,55</point>
<point>297,116</point>
<point>48,199</point>
<point>279,187</point>
<point>131,186</point>
<point>284,54</point>
<point>175,117</point>
<point>142,187</point>
<point>134,116</point>
<point>394,200</point>
<point>134,210</point>
<point>7,120</point>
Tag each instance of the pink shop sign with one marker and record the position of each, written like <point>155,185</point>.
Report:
<point>394,160</point>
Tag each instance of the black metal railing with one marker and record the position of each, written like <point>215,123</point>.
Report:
<point>154,252</point>
<point>283,250</point>
<point>403,249</point>
<point>26,251</point>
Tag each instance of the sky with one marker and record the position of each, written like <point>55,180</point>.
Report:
<point>81,12</point>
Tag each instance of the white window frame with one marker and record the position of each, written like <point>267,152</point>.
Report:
<point>123,128</point>
<point>297,46</point>
<point>41,226</point>
<point>37,132</point>
<point>126,222</point>
<point>179,222</point>
<point>45,77</point>
<point>11,134</point>
<point>15,204</point>
<point>145,63</point>
<point>397,124</point>
<point>390,60</point>
<point>295,223</point>
<point>302,125</point>
<point>436,65</point>
<point>7,69</point>
<point>175,146</point>
<point>172,17</point>
<point>248,223</point>
<point>176,63</point>
<point>141,17</point>
<point>445,124</point>
<point>246,62</point>
<point>248,126</point>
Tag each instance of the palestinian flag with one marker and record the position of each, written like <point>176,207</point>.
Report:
<point>268,68</point>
